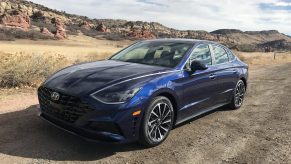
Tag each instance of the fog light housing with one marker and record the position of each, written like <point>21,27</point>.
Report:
<point>105,127</point>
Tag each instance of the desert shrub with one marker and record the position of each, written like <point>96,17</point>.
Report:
<point>14,33</point>
<point>248,48</point>
<point>6,34</point>
<point>119,46</point>
<point>114,36</point>
<point>162,35</point>
<point>109,36</point>
<point>95,56</point>
<point>5,37</point>
<point>34,35</point>
<point>38,16</point>
<point>73,29</point>
<point>39,23</point>
<point>21,69</point>
<point>92,33</point>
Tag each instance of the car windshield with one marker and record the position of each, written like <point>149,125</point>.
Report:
<point>166,54</point>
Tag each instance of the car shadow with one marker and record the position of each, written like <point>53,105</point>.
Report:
<point>24,134</point>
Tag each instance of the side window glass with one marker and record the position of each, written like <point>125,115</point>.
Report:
<point>202,54</point>
<point>231,55</point>
<point>220,55</point>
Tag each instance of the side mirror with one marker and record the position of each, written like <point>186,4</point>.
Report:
<point>196,65</point>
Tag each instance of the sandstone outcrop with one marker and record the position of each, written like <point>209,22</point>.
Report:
<point>15,19</point>
<point>86,25</point>
<point>29,16</point>
<point>142,33</point>
<point>102,28</point>
<point>45,31</point>
<point>60,29</point>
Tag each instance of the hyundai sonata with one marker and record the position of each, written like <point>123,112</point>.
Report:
<point>144,90</point>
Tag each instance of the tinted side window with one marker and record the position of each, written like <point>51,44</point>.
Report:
<point>220,55</point>
<point>230,55</point>
<point>202,53</point>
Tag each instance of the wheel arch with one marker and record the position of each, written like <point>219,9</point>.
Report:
<point>168,93</point>
<point>244,80</point>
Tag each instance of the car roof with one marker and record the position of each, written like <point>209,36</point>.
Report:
<point>180,40</point>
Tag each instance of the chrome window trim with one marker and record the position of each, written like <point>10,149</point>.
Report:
<point>210,45</point>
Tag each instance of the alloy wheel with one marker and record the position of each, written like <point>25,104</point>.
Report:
<point>239,94</point>
<point>159,122</point>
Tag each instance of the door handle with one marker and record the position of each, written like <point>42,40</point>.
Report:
<point>212,76</point>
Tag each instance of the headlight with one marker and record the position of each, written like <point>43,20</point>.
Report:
<point>112,96</point>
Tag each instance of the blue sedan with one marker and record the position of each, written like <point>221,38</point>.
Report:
<point>144,90</point>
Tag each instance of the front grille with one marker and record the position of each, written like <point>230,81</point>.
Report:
<point>67,108</point>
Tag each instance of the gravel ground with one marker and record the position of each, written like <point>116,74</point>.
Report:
<point>259,132</point>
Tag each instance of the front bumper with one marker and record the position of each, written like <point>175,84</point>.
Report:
<point>88,120</point>
<point>84,133</point>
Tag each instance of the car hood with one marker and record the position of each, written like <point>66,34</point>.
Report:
<point>89,77</point>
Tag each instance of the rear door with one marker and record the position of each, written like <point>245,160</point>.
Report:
<point>225,73</point>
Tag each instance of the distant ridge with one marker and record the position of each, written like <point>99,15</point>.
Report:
<point>34,21</point>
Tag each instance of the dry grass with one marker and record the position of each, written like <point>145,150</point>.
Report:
<point>75,46</point>
<point>22,69</point>
<point>27,63</point>
<point>259,58</point>
<point>94,56</point>
<point>28,70</point>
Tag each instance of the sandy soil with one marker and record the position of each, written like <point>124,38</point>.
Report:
<point>14,99</point>
<point>259,132</point>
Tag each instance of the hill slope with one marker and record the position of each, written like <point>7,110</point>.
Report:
<point>24,19</point>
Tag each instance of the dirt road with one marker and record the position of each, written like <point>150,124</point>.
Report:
<point>259,132</point>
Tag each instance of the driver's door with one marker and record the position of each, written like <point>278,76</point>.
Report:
<point>199,87</point>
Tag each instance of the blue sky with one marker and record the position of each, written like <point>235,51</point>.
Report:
<point>206,15</point>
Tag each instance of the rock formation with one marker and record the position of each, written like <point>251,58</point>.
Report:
<point>15,19</point>
<point>60,28</point>
<point>86,25</point>
<point>38,15</point>
<point>29,16</point>
<point>102,28</point>
<point>142,33</point>
<point>45,31</point>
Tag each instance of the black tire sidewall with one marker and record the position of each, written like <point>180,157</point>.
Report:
<point>144,136</point>
<point>233,98</point>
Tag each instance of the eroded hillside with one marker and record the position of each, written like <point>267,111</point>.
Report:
<point>26,20</point>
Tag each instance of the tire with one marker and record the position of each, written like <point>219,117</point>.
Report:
<point>238,95</point>
<point>157,122</point>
